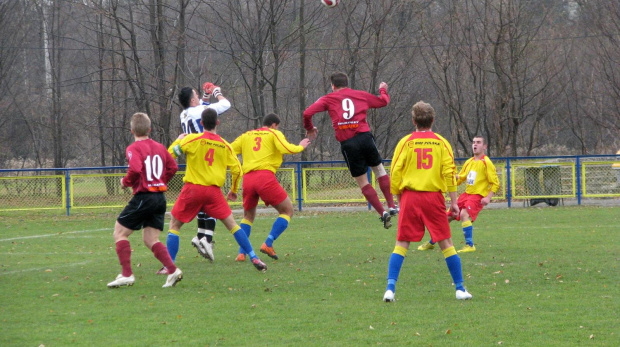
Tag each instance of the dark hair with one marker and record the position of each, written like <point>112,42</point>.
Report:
<point>271,118</point>
<point>339,79</point>
<point>423,115</point>
<point>185,95</point>
<point>209,118</point>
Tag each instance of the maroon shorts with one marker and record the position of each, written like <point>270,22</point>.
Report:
<point>470,202</point>
<point>419,210</point>
<point>262,184</point>
<point>196,198</point>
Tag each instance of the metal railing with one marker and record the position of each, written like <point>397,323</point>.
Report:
<point>527,179</point>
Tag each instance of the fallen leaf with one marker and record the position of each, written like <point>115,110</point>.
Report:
<point>592,337</point>
<point>371,328</point>
<point>448,332</point>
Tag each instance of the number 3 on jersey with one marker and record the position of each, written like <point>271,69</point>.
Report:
<point>258,141</point>
<point>210,156</point>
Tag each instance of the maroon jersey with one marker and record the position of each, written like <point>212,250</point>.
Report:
<point>347,108</point>
<point>150,167</point>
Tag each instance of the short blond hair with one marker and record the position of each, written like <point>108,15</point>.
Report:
<point>423,114</point>
<point>140,124</point>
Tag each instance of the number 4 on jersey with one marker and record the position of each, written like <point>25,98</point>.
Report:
<point>210,156</point>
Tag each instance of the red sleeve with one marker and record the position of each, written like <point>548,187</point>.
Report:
<point>318,106</point>
<point>135,166</point>
<point>379,101</point>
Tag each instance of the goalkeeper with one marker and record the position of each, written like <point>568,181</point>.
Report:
<point>193,106</point>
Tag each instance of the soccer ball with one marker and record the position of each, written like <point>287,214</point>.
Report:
<point>330,3</point>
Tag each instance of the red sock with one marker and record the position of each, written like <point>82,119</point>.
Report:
<point>123,250</point>
<point>384,184</point>
<point>161,253</point>
<point>371,196</point>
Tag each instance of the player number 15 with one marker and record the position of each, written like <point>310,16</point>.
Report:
<point>425,159</point>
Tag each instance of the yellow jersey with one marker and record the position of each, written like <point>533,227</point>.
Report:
<point>263,148</point>
<point>616,165</point>
<point>480,176</point>
<point>208,157</point>
<point>423,161</point>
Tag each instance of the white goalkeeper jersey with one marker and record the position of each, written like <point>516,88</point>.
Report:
<point>190,117</point>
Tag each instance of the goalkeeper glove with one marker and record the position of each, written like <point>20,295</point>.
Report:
<point>207,88</point>
<point>217,91</point>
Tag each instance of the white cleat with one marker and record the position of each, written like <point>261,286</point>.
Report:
<point>463,295</point>
<point>122,281</point>
<point>204,248</point>
<point>388,296</point>
<point>173,278</point>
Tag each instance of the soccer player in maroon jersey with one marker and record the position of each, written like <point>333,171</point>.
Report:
<point>347,108</point>
<point>150,169</point>
<point>422,171</point>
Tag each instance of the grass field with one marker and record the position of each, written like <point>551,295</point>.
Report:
<point>540,277</point>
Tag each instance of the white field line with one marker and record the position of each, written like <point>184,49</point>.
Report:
<point>45,268</point>
<point>61,233</point>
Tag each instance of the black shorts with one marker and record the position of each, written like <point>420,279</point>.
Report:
<point>144,210</point>
<point>360,152</point>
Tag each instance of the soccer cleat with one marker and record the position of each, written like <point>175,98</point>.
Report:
<point>388,296</point>
<point>269,251</point>
<point>394,210</point>
<point>426,246</point>
<point>463,295</point>
<point>204,248</point>
<point>259,265</point>
<point>163,271</point>
<point>467,249</point>
<point>122,281</point>
<point>173,279</point>
<point>240,257</point>
<point>385,218</point>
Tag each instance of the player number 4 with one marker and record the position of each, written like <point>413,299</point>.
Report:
<point>210,156</point>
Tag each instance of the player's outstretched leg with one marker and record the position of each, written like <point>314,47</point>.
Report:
<point>244,242</point>
<point>454,266</point>
<point>468,232</point>
<point>246,226</point>
<point>395,264</point>
<point>384,185</point>
<point>126,278</point>
<point>203,241</point>
<point>278,227</point>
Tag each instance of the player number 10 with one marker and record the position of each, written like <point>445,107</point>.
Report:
<point>154,167</point>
